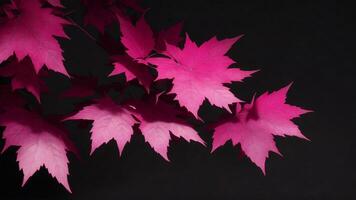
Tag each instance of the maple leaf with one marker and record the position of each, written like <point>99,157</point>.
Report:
<point>157,121</point>
<point>110,121</point>
<point>132,70</point>
<point>99,13</point>
<point>170,35</point>
<point>40,144</point>
<point>138,38</point>
<point>23,76</point>
<point>256,123</point>
<point>31,33</point>
<point>198,72</point>
<point>139,41</point>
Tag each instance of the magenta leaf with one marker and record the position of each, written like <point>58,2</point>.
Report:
<point>198,72</point>
<point>255,125</point>
<point>138,38</point>
<point>31,33</point>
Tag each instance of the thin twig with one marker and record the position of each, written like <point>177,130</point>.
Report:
<point>82,29</point>
<point>68,13</point>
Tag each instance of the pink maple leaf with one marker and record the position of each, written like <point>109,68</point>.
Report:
<point>256,123</point>
<point>132,70</point>
<point>110,121</point>
<point>138,38</point>
<point>198,72</point>
<point>41,144</point>
<point>158,121</point>
<point>23,76</point>
<point>31,33</point>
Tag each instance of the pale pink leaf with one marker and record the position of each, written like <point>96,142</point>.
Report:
<point>110,121</point>
<point>41,144</point>
<point>157,121</point>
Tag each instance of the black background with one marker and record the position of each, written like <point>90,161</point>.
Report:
<point>308,42</point>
